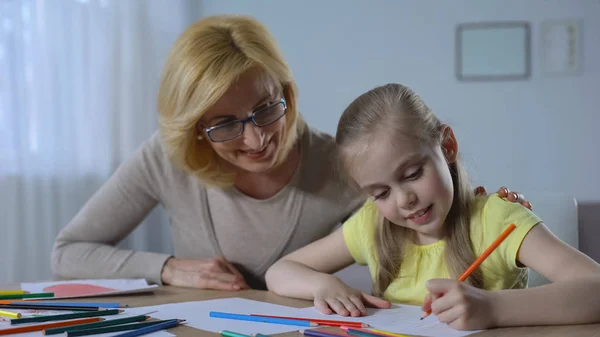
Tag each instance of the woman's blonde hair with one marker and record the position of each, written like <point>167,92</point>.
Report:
<point>203,63</point>
<point>396,109</point>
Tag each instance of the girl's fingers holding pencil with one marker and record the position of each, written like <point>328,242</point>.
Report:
<point>462,306</point>
<point>450,315</point>
<point>427,302</point>
<point>429,298</point>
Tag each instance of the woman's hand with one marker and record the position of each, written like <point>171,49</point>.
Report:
<point>212,273</point>
<point>505,193</point>
<point>461,306</point>
<point>333,296</point>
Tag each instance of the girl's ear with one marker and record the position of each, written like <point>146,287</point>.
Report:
<point>449,144</point>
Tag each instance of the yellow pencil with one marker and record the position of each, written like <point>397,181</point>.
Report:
<point>12,292</point>
<point>388,333</point>
<point>10,314</point>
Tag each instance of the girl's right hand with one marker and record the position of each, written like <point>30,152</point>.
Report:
<point>336,297</point>
<point>212,273</point>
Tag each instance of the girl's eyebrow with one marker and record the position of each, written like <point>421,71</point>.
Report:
<point>408,161</point>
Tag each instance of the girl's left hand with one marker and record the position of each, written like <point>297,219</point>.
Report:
<point>461,306</point>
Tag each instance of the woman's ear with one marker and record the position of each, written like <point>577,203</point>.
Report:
<point>449,144</point>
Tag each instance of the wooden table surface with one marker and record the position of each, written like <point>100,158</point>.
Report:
<point>169,294</point>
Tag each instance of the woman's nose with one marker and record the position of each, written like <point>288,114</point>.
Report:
<point>253,137</point>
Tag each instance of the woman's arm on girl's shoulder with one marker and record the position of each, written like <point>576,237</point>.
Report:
<point>85,247</point>
<point>306,274</point>
<point>571,298</point>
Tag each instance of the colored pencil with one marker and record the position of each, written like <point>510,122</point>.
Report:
<point>216,314</point>
<point>328,322</point>
<point>260,335</point>
<point>10,314</point>
<point>12,292</point>
<point>372,332</point>
<point>482,257</point>
<point>65,316</point>
<point>113,328</point>
<point>387,333</point>
<point>34,306</point>
<point>317,333</point>
<point>20,296</point>
<point>226,333</point>
<point>110,322</point>
<point>40,327</point>
<point>69,304</point>
<point>152,328</point>
<point>361,333</point>
<point>348,328</point>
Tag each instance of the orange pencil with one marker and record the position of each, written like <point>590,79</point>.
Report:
<point>17,301</point>
<point>40,327</point>
<point>327,322</point>
<point>482,257</point>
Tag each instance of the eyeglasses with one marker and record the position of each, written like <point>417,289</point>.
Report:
<point>261,117</point>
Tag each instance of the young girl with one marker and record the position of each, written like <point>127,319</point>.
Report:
<point>423,226</point>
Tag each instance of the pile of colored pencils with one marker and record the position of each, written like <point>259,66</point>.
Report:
<point>85,319</point>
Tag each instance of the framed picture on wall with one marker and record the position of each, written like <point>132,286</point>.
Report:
<point>488,51</point>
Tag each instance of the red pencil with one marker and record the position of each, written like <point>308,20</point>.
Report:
<point>44,326</point>
<point>482,257</point>
<point>327,322</point>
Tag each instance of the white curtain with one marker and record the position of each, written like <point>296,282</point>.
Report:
<point>78,83</point>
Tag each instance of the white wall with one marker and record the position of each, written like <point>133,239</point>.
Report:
<point>537,135</point>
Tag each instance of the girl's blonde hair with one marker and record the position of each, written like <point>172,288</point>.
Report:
<point>395,109</point>
<point>203,63</point>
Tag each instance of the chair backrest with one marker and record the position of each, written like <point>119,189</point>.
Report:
<point>557,211</point>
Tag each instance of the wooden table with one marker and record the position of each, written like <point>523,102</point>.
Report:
<point>173,295</point>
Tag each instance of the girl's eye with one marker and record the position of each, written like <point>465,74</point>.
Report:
<point>381,195</point>
<point>415,175</point>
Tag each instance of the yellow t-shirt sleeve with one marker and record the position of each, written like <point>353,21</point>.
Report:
<point>359,232</point>
<point>498,214</point>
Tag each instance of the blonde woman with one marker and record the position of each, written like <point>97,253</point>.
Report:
<point>242,177</point>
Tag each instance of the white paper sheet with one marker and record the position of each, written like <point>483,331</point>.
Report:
<point>402,319</point>
<point>89,288</point>
<point>197,315</point>
<point>4,324</point>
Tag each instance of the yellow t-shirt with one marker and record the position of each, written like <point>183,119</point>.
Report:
<point>491,215</point>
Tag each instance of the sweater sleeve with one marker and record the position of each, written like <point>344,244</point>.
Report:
<point>85,248</point>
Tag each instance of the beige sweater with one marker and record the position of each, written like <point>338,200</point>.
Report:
<point>205,222</point>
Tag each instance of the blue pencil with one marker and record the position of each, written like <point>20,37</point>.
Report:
<point>73,304</point>
<point>152,328</point>
<point>262,319</point>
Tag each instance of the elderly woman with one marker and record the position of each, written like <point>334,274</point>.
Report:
<point>242,177</point>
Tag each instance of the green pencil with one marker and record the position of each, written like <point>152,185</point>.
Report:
<point>108,329</point>
<point>20,296</point>
<point>97,324</point>
<point>65,316</point>
<point>226,333</point>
